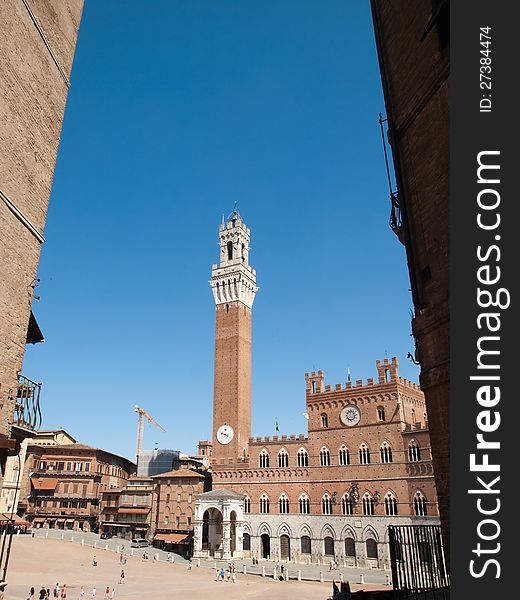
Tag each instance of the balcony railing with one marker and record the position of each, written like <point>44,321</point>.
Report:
<point>27,412</point>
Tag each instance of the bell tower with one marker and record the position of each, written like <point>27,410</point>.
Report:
<point>233,283</point>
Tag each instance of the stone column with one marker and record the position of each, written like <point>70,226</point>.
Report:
<point>239,548</point>
<point>226,540</point>
<point>197,539</point>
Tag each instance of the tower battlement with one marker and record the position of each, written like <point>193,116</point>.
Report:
<point>386,373</point>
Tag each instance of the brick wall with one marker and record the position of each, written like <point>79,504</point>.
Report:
<point>415,72</point>
<point>33,91</point>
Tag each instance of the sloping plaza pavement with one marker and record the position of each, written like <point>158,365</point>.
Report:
<point>42,561</point>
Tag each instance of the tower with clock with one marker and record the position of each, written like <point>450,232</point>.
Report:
<point>233,283</point>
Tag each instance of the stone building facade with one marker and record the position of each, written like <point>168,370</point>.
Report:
<point>14,465</point>
<point>125,511</point>
<point>414,57</point>
<point>364,463</point>
<point>36,53</point>
<point>62,485</point>
<point>173,508</point>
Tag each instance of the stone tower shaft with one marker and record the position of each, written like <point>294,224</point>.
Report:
<point>233,283</point>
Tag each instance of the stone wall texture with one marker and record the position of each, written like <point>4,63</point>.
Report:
<point>413,48</point>
<point>38,39</point>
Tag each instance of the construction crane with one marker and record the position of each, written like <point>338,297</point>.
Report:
<point>140,426</point>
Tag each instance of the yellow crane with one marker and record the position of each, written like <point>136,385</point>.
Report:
<point>140,426</point>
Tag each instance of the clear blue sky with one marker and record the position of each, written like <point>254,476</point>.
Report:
<point>175,111</point>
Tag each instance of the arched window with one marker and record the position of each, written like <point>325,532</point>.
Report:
<point>230,250</point>
<point>347,505</point>
<point>387,375</point>
<point>414,452</point>
<point>390,504</point>
<point>364,454</point>
<point>386,453</point>
<point>419,504</point>
<point>371,547</point>
<point>344,456</point>
<point>350,547</point>
<point>324,457</point>
<point>284,504</point>
<point>305,544</point>
<point>264,504</point>
<point>368,505</point>
<point>283,458</point>
<point>305,504</point>
<point>247,504</point>
<point>381,413</point>
<point>246,543</point>
<point>324,420</point>
<point>328,544</point>
<point>303,458</point>
<point>313,387</point>
<point>264,459</point>
<point>326,504</point>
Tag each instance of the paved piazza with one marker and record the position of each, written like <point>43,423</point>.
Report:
<point>38,561</point>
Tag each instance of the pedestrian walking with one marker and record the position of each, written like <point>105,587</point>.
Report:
<point>56,590</point>
<point>217,574</point>
<point>63,593</point>
<point>112,593</point>
<point>107,593</point>
<point>94,592</point>
<point>42,593</point>
<point>122,576</point>
<point>47,594</point>
<point>31,594</point>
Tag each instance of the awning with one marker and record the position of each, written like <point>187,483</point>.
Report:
<point>49,483</point>
<point>38,520</point>
<point>174,538</point>
<point>134,511</point>
<point>34,333</point>
<point>60,520</point>
<point>114,525</point>
<point>70,520</point>
<point>15,519</point>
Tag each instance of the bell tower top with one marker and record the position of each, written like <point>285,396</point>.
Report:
<point>233,279</point>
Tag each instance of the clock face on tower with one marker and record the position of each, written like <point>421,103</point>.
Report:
<point>350,415</point>
<point>225,434</point>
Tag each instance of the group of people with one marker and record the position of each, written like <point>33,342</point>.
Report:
<point>123,558</point>
<point>45,593</point>
<point>226,575</point>
<point>60,591</point>
<point>109,594</point>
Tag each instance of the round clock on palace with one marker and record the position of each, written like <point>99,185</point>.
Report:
<point>350,415</point>
<point>225,434</point>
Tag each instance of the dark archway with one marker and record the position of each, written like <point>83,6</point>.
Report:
<point>285,547</point>
<point>371,546</point>
<point>305,544</point>
<point>350,547</point>
<point>329,546</point>
<point>247,542</point>
<point>266,545</point>
<point>211,530</point>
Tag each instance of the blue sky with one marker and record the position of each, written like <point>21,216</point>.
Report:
<point>174,113</point>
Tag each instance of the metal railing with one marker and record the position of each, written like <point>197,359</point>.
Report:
<point>417,562</point>
<point>27,412</point>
